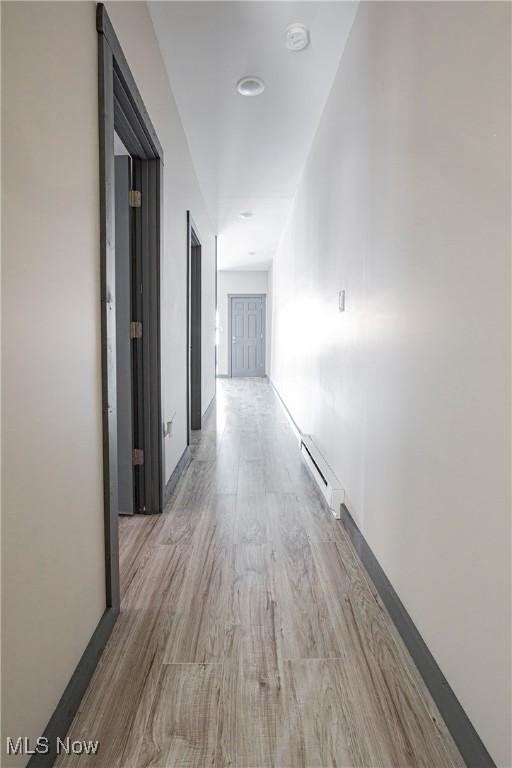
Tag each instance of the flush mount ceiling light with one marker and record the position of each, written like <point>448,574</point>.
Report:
<point>245,214</point>
<point>297,37</point>
<point>250,86</point>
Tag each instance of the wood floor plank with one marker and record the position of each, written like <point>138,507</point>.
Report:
<point>226,467</point>
<point>311,510</point>
<point>197,633</point>
<point>205,449</point>
<point>180,525</point>
<point>205,443</point>
<point>252,601</point>
<point>136,533</point>
<point>251,447</point>
<point>252,523</point>
<point>277,477</point>
<point>252,709</point>
<point>184,733</point>
<point>305,624</point>
<point>198,485</point>
<point>325,721</point>
<point>160,579</point>
<point>251,480</point>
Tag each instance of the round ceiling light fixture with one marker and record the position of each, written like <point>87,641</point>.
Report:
<point>245,214</point>
<point>297,37</point>
<point>250,86</point>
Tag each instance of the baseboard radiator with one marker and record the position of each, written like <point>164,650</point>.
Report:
<point>323,475</point>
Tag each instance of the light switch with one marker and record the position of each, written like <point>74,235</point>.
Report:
<point>341,301</point>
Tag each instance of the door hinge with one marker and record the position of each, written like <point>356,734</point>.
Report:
<point>134,198</point>
<point>137,457</point>
<point>135,330</point>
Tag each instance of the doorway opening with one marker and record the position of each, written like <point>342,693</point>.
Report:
<point>194,407</point>
<point>246,347</point>
<point>131,168</point>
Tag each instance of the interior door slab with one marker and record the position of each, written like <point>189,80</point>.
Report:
<point>123,342</point>
<point>247,336</point>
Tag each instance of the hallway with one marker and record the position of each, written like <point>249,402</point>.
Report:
<point>249,634</point>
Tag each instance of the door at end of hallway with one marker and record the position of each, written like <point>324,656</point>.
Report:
<point>247,335</point>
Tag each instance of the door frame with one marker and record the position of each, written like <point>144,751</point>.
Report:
<point>232,296</point>
<point>194,326</point>
<point>121,107</point>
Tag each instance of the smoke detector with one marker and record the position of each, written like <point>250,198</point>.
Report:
<point>250,86</point>
<point>297,37</point>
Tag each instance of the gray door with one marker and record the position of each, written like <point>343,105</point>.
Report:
<point>123,342</point>
<point>194,352</point>
<point>247,335</point>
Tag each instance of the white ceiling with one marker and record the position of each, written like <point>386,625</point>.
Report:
<point>249,152</point>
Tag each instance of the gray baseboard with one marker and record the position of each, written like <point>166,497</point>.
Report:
<point>223,376</point>
<point>67,707</point>
<point>470,745</point>
<point>179,469</point>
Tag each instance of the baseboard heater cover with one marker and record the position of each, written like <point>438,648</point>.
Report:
<point>323,475</point>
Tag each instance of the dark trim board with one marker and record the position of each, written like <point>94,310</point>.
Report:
<point>466,738</point>
<point>66,709</point>
<point>104,27</point>
<point>178,471</point>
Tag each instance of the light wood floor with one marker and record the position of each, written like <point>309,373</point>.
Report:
<point>250,634</point>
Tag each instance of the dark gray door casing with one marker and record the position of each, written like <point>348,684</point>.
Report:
<point>135,130</point>
<point>246,335</point>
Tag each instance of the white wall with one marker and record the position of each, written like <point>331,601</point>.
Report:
<point>239,281</point>
<point>405,203</point>
<point>53,573</point>
<point>53,580</point>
